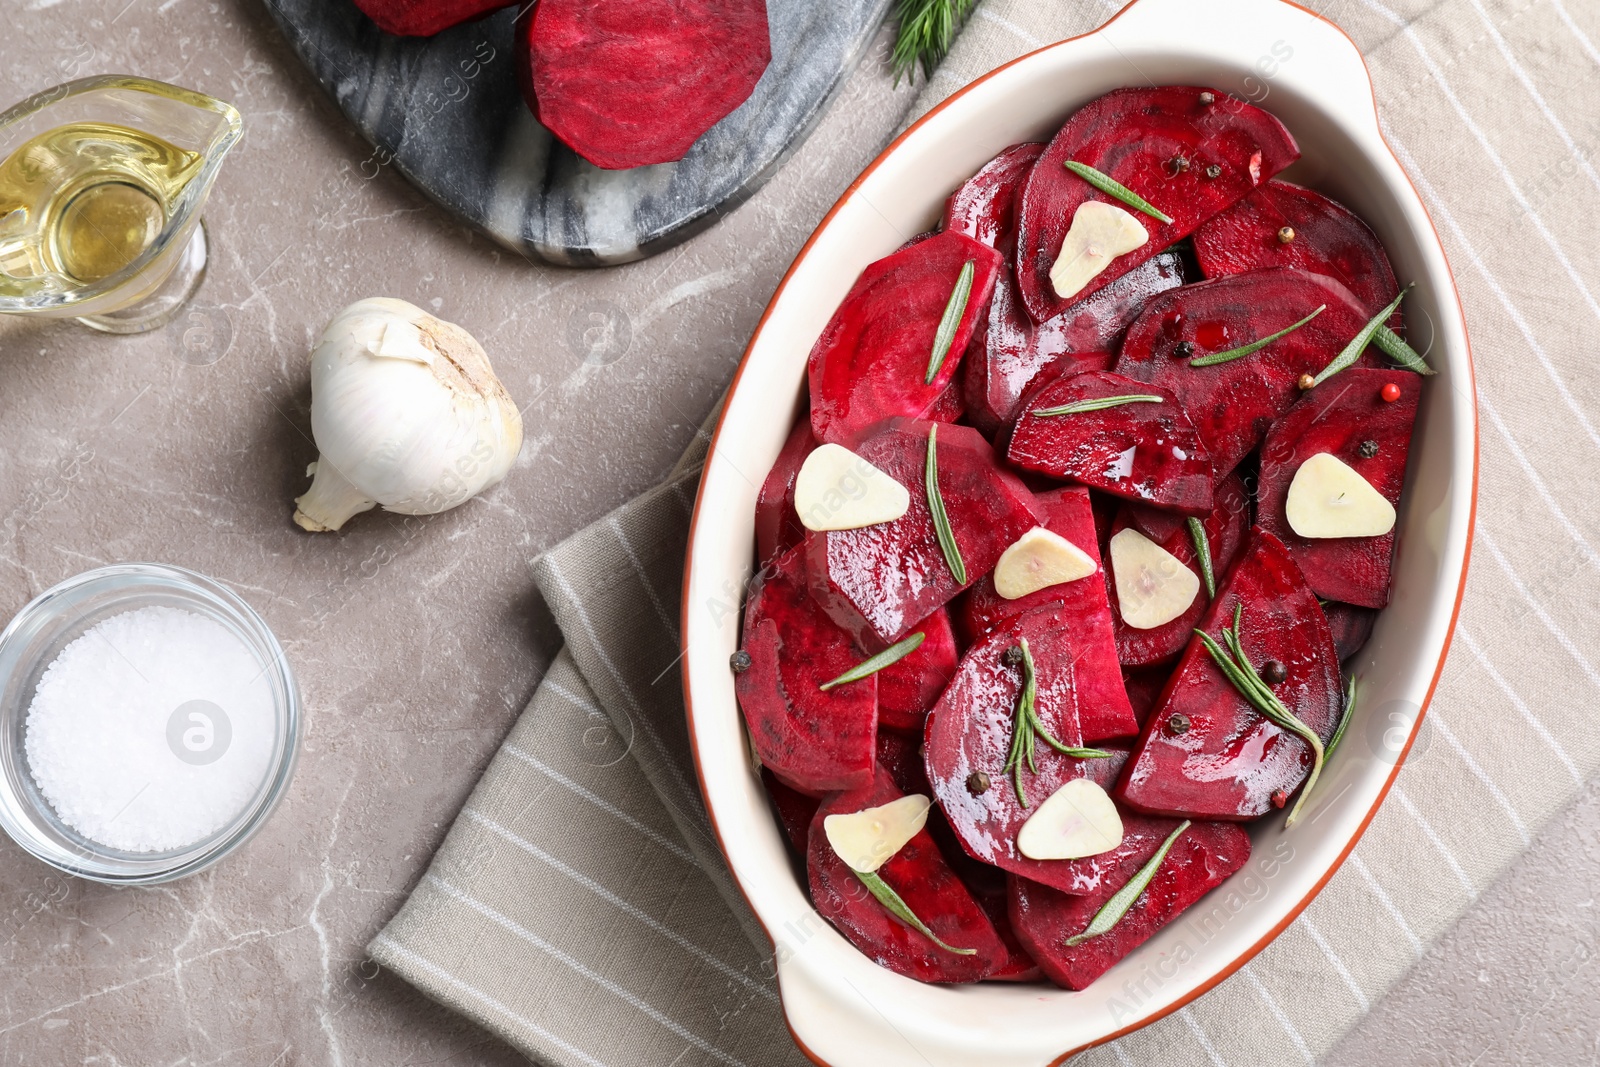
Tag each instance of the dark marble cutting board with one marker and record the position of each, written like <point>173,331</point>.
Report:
<point>447,110</point>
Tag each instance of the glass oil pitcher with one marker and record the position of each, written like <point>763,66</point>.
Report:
<point>101,185</point>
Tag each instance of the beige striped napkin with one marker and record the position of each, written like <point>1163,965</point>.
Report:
<point>578,906</point>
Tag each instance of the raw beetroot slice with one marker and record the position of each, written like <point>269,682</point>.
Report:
<point>1327,238</point>
<point>984,208</point>
<point>1228,761</point>
<point>1104,711</point>
<point>1144,451</point>
<point>1200,860</point>
<point>1351,627</point>
<point>778,528</point>
<point>1347,417</point>
<point>794,810</point>
<point>424,18</point>
<point>919,874</point>
<point>909,688</point>
<point>814,741</point>
<point>871,362</point>
<point>880,581</point>
<point>970,731</point>
<point>1137,137</point>
<point>1008,353</point>
<point>1232,404</point>
<point>1225,529</point>
<point>629,84</point>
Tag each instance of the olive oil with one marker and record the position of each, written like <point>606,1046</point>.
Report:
<point>80,202</point>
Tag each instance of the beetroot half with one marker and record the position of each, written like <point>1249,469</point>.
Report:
<point>778,528</point>
<point>984,208</point>
<point>1009,353</point>
<point>871,361</point>
<point>629,84</point>
<point>1351,627</point>
<point>1343,416</point>
<point>1103,711</point>
<point>1144,686</point>
<point>880,581</point>
<point>814,741</point>
<point>908,689</point>
<point>1229,761</point>
<point>1328,239</point>
<point>794,810</point>
<point>1232,404</point>
<point>919,874</point>
<point>1225,528</point>
<point>424,18</point>
<point>1200,860</point>
<point>1136,136</point>
<point>1144,451</point>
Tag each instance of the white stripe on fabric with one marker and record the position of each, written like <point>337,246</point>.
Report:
<point>1522,708</point>
<point>619,903</point>
<point>1006,24</point>
<point>1438,842</point>
<point>1481,775</point>
<point>479,995</point>
<point>1441,210</point>
<point>1578,34</point>
<point>1538,609</point>
<point>1277,1013</point>
<point>668,623</point>
<point>601,803</point>
<point>1200,1035</point>
<point>1535,480</point>
<point>577,966</point>
<point>1122,1057</point>
<point>1338,964</point>
<point>1382,896</point>
<point>573,698</point>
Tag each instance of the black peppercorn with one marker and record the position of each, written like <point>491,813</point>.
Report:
<point>1183,349</point>
<point>1013,655</point>
<point>977,783</point>
<point>1272,672</point>
<point>1178,724</point>
<point>1369,449</point>
<point>1214,171</point>
<point>739,661</point>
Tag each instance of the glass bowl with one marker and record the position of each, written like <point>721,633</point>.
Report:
<point>62,614</point>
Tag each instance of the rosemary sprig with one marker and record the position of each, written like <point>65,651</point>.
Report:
<point>1112,911</point>
<point>941,521</point>
<point>1352,351</point>
<point>1254,346</point>
<point>900,910</point>
<point>954,308</point>
<point>1394,346</point>
<point>1202,551</point>
<point>1027,726</point>
<point>926,29</point>
<point>1111,187</point>
<point>1344,720</point>
<point>1100,404</point>
<point>889,656</point>
<point>1238,669</point>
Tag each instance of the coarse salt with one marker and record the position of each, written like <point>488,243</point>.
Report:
<point>152,730</point>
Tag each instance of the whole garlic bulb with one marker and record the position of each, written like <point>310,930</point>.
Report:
<point>406,412</point>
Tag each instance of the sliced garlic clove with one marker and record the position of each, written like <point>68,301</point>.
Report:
<point>1037,560</point>
<point>1153,585</point>
<point>1077,820</point>
<point>1100,233</point>
<point>1329,499</point>
<point>838,490</point>
<point>867,839</point>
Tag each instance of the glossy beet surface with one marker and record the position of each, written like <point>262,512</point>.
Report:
<point>871,361</point>
<point>1104,712</point>
<point>1136,137</point>
<point>1230,760</point>
<point>907,690</point>
<point>1145,451</point>
<point>1225,528</point>
<point>1328,239</point>
<point>1200,860</point>
<point>1338,417</point>
<point>919,874</point>
<point>1232,404</point>
<point>815,741</point>
<point>424,18</point>
<point>627,83</point>
<point>984,208</point>
<point>880,581</point>
<point>1009,352</point>
<point>1351,627</point>
<point>778,528</point>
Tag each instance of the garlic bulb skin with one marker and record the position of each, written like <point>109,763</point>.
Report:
<point>406,412</point>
